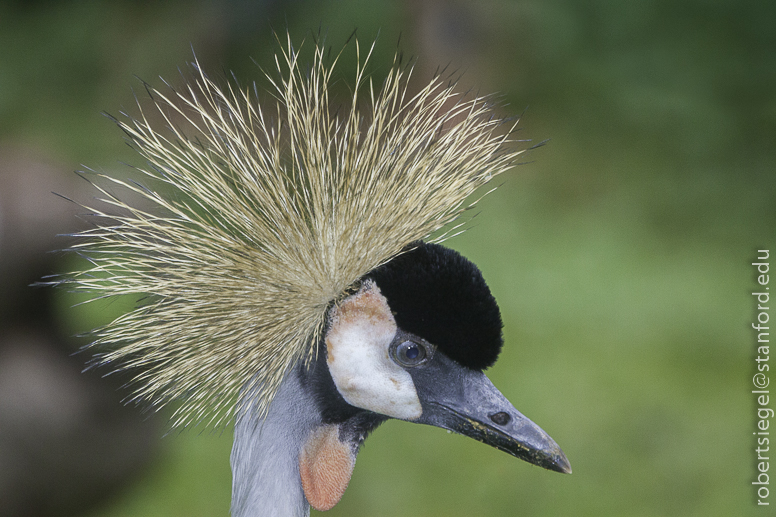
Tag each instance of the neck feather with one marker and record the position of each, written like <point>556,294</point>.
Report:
<point>265,455</point>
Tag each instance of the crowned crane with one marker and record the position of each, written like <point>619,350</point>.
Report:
<point>291,277</point>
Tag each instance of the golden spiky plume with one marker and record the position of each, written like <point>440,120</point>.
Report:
<point>254,224</point>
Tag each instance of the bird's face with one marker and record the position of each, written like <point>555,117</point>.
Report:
<point>411,344</point>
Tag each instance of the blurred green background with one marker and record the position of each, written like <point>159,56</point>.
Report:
<point>619,253</point>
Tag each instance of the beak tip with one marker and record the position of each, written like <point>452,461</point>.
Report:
<point>564,468</point>
<point>560,463</point>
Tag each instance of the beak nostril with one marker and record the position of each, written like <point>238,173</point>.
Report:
<point>500,418</point>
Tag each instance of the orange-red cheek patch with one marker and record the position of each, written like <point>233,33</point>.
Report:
<point>325,466</point>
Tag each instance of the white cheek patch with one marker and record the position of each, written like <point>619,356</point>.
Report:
<point>361,329</point>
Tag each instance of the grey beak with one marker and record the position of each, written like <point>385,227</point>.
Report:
<point>466,402</point>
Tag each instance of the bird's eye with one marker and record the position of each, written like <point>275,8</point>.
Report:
<point>409,353</point>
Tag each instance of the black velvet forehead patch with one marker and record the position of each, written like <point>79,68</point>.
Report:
<point>437,294</point>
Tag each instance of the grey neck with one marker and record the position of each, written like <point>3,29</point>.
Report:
<point>265,455</point>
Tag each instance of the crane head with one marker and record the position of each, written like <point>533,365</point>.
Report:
<point>412,344</point>
<point>278,258</point>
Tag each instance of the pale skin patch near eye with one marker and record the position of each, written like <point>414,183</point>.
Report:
<point>361,330</point>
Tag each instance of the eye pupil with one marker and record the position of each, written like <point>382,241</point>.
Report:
<point>410,353</point>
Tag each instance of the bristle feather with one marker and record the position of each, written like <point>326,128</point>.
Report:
<point>256,224</point>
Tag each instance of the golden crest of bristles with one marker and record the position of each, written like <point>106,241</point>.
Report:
<point>254,224</point>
